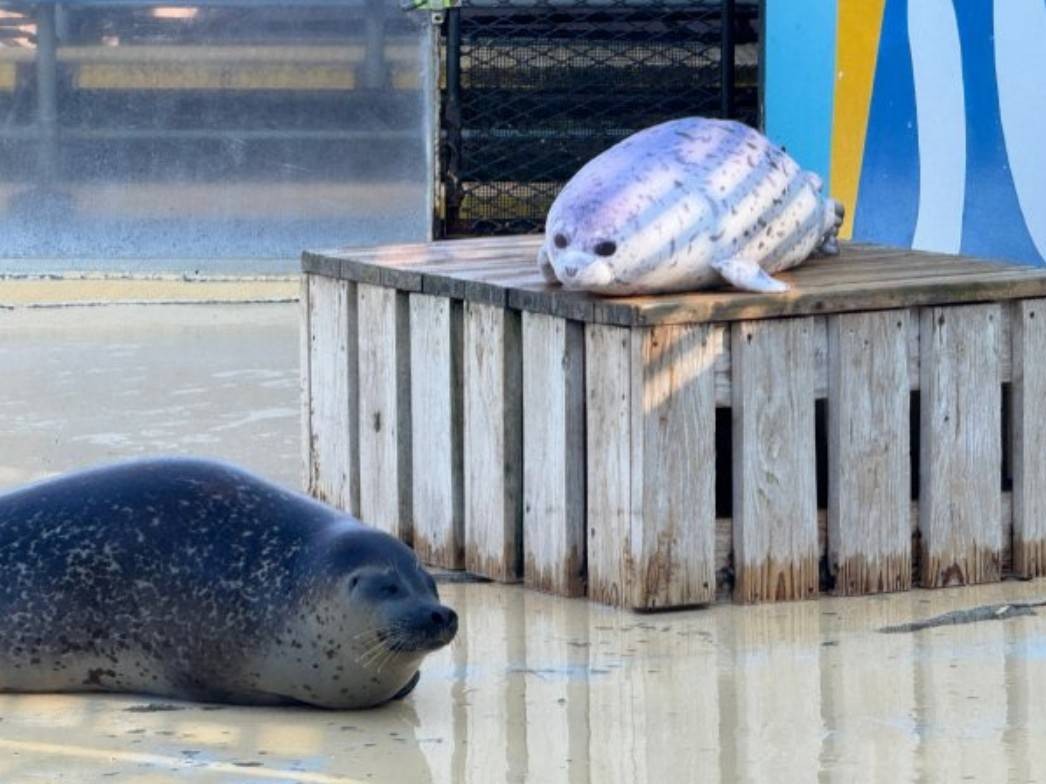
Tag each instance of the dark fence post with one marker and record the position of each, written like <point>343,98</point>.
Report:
<point>726,60</point>
<point>452,122</point>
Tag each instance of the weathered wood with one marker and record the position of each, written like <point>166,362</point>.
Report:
<point>724,542</point>
<point>493,446</point>
<point>608,411</point>
<point>673,458</point>
<point>384,412</point>
<point>723,395</point>
<point>960,463</point>
<point>329,360</point>
<point>775,495</point>
<point>651,457</point>
<point>869,473</point>
<point>436,430</point>
<point>503,271</point>
<point>553,455</point>
<point>1028,425</point>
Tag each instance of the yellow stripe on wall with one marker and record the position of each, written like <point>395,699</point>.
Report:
<point>857,45</point>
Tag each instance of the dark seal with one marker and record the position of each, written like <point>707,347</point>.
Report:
<point>196,580</point>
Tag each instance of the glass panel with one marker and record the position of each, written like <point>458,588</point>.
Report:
<point>217,135</point>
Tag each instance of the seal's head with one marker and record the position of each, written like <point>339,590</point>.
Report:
<point>624,217</point>
<point>359,632</point>
<point>401,597</point>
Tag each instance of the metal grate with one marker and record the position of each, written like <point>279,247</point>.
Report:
<point>533,90</point>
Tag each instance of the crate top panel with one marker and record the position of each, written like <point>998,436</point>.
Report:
<point>503,271</point>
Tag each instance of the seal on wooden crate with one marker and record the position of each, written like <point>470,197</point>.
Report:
<point>196,580</point>
<point>688,204</point>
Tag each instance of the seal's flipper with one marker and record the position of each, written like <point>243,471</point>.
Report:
<point>747,275</point>
<point>546,267</point>
<point>409,687</point>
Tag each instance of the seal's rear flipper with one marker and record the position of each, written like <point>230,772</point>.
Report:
<point>409,687</point>
<point>747,275</point>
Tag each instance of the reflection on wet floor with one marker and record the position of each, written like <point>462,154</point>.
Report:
<point>541,689</point>
<point>535,689</point>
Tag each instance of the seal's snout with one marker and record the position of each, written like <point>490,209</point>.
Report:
<point>444,623</point>
<point>439,626</point>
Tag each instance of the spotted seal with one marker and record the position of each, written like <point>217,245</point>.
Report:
<point>687,204</point>
<point>196,580</point>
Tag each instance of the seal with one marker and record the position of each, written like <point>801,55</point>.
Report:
<point>196,580</point>
<point>688,204</point>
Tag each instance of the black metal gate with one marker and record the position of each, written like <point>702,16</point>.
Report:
<point>531,89</point>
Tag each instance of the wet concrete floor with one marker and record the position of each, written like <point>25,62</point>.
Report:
<point>536,688</point>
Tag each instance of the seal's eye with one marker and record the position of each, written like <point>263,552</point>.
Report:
<point>353,583</point>
<point>560,241</point>
<point>606,248</point>
<point>390,590</point>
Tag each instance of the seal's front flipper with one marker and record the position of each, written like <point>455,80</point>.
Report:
<point>748,275</point>
<point>546,267</point>
<point>409,687</point>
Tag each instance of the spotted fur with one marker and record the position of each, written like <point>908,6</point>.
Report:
<point>196,580</point>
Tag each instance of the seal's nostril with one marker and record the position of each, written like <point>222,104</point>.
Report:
<point>571,271</point>
<point>437,617</point>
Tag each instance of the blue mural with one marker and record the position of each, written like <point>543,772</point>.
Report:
<point>942,146</point>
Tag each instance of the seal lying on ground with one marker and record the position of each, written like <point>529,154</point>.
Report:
<point>687,204</point>
<point>195,580</point>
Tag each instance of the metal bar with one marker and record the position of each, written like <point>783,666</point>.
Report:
<point>164,134</point>
<point>375,72</point>
<point>47,92</point>
<point>726,60</point>
<point>452,120</point>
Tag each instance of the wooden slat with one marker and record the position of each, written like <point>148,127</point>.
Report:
<point>961,451</point>
<point>861,278</point>
<point>1029,437</point>
<point>775,496</point>
<point>553,455</point>
<point>672,527</point>
<point>384,411</point>
<point>731,306</point>
<point>724,542</point>
<point>330,362</point>
<point>436,422</point>
<point>723,361</point>
<point>869,474</point>
<point>493,369</point>
<point>608,411</point>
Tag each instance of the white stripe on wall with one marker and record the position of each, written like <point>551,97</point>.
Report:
<point>1020,67</point>
<point>933,36</point>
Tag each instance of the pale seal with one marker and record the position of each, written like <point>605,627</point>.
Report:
<point>688,204</point>
<point>196,580</point>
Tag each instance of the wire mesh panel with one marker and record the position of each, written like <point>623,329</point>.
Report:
<point>534,89</point>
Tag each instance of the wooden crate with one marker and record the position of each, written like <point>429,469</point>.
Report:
<point>881,425</point>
